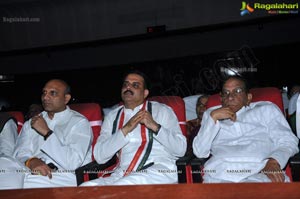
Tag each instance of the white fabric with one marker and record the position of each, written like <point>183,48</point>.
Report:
<point>190,106</point>
<point>96,123</point>
<point>298,116</point>
<point>285,100</point>
<point>108,109</point>
<point>12,173</point>
<point>168,145</point>
<point>8,138</point>
<point>293,104</point>
<point>240,149</point>
<point>69,147</point>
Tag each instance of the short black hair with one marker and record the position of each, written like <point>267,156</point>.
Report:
<point>140,73</point>
<point>68,88</point>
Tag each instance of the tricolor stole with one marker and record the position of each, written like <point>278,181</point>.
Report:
<point>144,144</point>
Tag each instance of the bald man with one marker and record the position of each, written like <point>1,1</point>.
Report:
<point>54,143</point>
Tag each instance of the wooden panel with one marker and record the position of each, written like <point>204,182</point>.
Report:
<point>182,191</point>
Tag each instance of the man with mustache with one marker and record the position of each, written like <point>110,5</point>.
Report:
<point>145,135</point>
<point>52,144</point>
<point>247,142</point>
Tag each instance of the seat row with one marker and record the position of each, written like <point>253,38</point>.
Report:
<point>189,167</point>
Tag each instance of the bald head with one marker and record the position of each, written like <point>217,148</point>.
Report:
<point>55,96</point>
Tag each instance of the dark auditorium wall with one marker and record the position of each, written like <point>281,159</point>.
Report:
<point>56,22</point>
<point>183,76</point>
<point>92,43</point>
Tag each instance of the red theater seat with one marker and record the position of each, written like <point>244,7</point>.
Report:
<point>178,106</point>
<point>92,111</point>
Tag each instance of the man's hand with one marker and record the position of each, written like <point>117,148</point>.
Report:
<point>38,167</point>
<point>39,124</point>
<point>223,113</point>
<point>132,123</point>
<point>273,171</point>
<point>141,117</point>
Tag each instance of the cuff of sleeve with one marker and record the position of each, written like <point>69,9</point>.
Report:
<point>279,156</point>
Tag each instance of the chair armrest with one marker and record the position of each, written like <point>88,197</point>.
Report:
<point>295,167</point>
<point>197,165</point>
<point>182,164</point>
<point>92,169</point>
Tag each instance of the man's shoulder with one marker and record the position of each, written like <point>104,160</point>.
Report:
<point>160,106</point>
<point>76,116</point>
<point>114,111</point>
<point>265,106</point>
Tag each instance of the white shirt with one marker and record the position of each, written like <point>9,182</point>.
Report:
<point>240,149</point>
<point>69,147</point>
<point>298,116</point>
<point>168,145</point>
<point>8,138</point>
<point>293,104</point>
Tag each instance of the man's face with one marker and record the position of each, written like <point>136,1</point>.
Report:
<point>53,97</point>
<point>201,106</point>
<point>234,95</point>
<point>133,92</point>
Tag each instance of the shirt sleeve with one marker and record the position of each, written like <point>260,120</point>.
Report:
<point>170,134</point>
<point>69,152</point>
<point>285,142</point>
<point>108,144</point>
<point>8,138</point>
<point>203,140</point>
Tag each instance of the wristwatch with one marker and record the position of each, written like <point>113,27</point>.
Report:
<point>156,132</point>
<point>48,134</point>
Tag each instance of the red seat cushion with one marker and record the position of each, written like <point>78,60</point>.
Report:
<point>92,111</point>
<point>178,106</point>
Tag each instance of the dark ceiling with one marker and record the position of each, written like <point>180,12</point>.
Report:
<point>73,34</point>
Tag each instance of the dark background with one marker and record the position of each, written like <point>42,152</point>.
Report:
<point>91,44</point>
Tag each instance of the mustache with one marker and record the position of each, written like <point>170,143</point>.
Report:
<point>128,91</point>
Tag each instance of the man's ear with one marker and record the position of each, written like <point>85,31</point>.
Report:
<point>146,93</point>
<point>249,96</point>
<point>67,98</point>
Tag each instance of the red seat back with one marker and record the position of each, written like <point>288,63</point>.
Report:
<point>271,94</point>
<point>92,111</point>
<point>19,116</point>
<point>178,106</point>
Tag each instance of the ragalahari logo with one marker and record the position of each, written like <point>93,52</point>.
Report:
<point>246,9</point>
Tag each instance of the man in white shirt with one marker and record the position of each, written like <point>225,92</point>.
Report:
<point>52,144</point>
<point>246,142</point>
<point>145,135</point>
<point>8,134</point>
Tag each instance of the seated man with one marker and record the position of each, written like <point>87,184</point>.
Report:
<point>248,142</point>
<point>52,144</point>
<point>145,135</point>
<point>8,134</point>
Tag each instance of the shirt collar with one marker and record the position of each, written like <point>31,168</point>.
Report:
<point>58,116</point>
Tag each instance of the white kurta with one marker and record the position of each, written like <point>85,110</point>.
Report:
<point>69,147</point>
<point>239,150</point>
<point>8,138</point>
<point>298,116</point>
<point>168,145</point>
